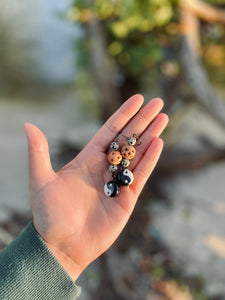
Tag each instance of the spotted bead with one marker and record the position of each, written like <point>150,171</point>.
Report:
<point>128,152</point>
<point>125,163</point>
<point>113,168</point>
<point>132,141</point>
<point>114,146</point>
<point>111,189</point>
<point>125,177</point>
<point>114,157</point>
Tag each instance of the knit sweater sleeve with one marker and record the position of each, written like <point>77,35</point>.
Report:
<point>29,270</point>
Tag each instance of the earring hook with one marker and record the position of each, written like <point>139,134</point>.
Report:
<point>138,143</point>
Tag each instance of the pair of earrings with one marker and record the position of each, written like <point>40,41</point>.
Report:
<point>124,177</point>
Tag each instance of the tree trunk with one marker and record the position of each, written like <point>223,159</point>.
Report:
<point>194,70</point>
<point>103,69</point>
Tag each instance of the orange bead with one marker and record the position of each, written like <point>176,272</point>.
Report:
<point>128,152</point>
<point>114,157</point>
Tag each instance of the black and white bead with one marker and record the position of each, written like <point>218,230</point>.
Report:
<point>132,141</point>
<point>114,146</point>
<point>113,168</point>
<point>125,163</point>
<point>125,177</point>
<point>111,189</point>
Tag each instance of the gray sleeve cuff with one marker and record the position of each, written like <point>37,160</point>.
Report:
<point>29,270</point>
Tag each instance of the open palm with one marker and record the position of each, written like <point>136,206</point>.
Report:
<point>70,210</point>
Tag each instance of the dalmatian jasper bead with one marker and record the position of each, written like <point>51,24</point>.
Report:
<point>125,177</point>
<point>132,141</point>
<point>128,152</point>
<point>111,189</point>
<point>125,163</point>
<point>114,146</point>
<point>113,168</point>
<point>114,158</point>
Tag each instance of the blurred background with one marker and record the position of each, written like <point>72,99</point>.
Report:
<point>66,66</point>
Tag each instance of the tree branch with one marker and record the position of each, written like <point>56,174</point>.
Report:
<point>204,11</point>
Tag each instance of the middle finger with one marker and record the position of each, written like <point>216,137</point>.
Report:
<point>144,117</point>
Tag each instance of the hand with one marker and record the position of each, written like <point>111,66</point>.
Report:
<point>71,213</point>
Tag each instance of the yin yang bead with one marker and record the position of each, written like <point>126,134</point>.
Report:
<point>128,151</point>
<point>125,177</point>
<point>113,168</point>
<point>132,141</point>
<point>114,146</point>
<point>114,157</point>
<point>125,163</point>
<point>111,189</point>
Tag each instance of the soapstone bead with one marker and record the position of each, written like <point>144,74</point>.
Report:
<point>114,157</point>
<point>128,151</point>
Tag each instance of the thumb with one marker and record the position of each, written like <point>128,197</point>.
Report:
<point>40,167</point>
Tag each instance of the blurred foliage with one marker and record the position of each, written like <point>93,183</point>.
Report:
<point>213,44</point>
<point>124,17</point>
<point>89,103</point>
<point>216,2</point>
<point>135,30</point>
<point>213,53</point>
<point>142,35</point>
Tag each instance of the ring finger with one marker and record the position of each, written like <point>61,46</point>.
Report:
<point>154,130</point>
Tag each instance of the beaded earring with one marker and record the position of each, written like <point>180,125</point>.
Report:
<point>124,177</point>
<point>111,188</point>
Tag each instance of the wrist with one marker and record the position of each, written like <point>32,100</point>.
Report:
<point>68,264</point>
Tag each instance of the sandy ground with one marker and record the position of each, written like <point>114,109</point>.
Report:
<point>193,226</point>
